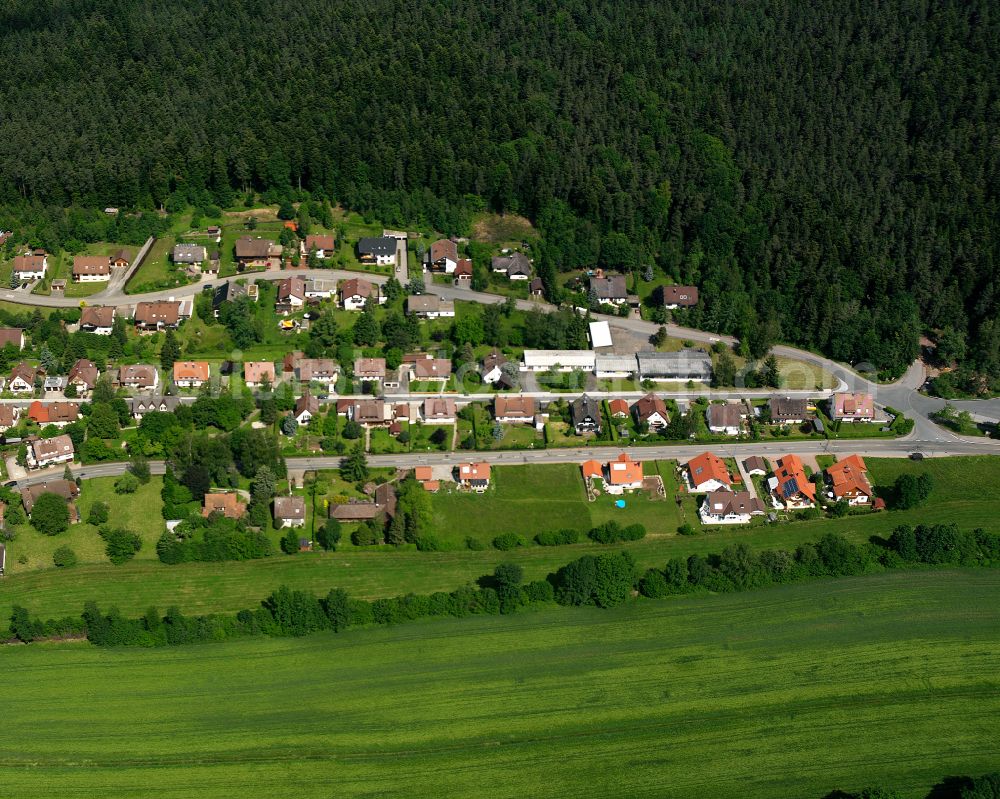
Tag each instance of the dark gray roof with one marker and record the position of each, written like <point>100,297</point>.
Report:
<point>228,292</point>
<point>584,409</point>
<point>686,364</point>
<point>379,246</point>
<point>611,287</point>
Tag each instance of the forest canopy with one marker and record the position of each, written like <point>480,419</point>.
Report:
<point>826,172</point>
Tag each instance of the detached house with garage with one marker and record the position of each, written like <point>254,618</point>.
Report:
<point>442,256</point>
<point>673,297</point>
<point>138,376</point>
<point>257,373</point>
<point>324,371</point>
<point>475,476</point>
<point>369,370</point>
<point>617,476</point>
<point>515,266</point>
<point>434,370</point>
<point>189,254</point>
<point>162,315</point>
<point>788,410</point>
<point>306,407</point>
<point>226,503</point>
<point>439,410</point>
<point>289,511</point>
<point>99,319</point>
<point>515,410</point>
<point>429,306</point>
<point>257,253</point>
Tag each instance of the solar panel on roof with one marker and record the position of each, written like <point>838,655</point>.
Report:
<point>790,488</point>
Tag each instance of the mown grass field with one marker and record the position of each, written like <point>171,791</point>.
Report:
<point>793,691</point>
<point>206,587</point>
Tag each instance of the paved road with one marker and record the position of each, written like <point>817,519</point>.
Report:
<point>881,448</point>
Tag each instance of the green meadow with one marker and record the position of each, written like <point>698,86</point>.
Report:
<point>526,500</point>
<point>792,691</point>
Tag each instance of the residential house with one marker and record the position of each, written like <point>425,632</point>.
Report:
<point>708,472</point>
<point>306,407</point>
<point>291,295</point>
<point>681,366</point>
<point>755,465</point>
<point>55,384</point>
<point>789,486</point>
<point>191,374</point>
<point>225,502</point>
<point>617,476</point>
<point>91,268</point>
<point>322,244</point>
<point>651,410</point>
<point>439,410</point>
<point>67,489</point>
<point>161,315</point>
<point>609,290</point>
<point>536,288</point>
<point>354,510</point>
<point>515,266</point>
<point>138,376</point>
<point>290,363</point>
<point>429,306</point>
<point>558,360</point>
<point>429,369</point>
<point>318,370</point>
<point>381,251</point>
<point>99,319</point>
<point>618,408</point>
<point>257,373</point>
<point>725,418</point>
<point>289,511</point>
<point>585,414</point>
<point>189,254</point>
<point>357,292</point>
<point>515,410</point>
<point>848,480</point>
<point>9,414</point>
<point>83,375</point>
<point>13,336</point>
<point>463,272</point>
<point>369,370</point>
<point>227,292</point>
<point>442,256</point>
<point>672,297</point>
<point>367,413</point>
<point>788,410</point>
<point>43,452</point>
<point>475,476</point>
<point>852,407</point>
<point>142,405</point>
<point>59,414</point>
<point>30,267</point>
<point>120,259</point>
<point>730,507</point>
<point>320,289</point>
<point>492,371</point>
<point>257,253</point>
<point>22,379</point>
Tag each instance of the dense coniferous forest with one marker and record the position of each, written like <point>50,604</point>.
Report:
<point>826,172</point>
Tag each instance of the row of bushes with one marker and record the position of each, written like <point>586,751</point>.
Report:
<point>607,533</point>
<point>604,580</point>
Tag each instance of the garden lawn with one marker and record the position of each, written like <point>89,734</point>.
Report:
<point>792,691</point>
<point>139,512</point>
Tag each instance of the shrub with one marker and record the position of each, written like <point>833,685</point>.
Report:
<point>49,514</point>
<point>687,529</point>
<point>507,541</point>
<point>610,532</point>
<point>120,544</point>
<point>98,514</point>
<point>474,544</point>
<point>328,536</point>
<point>64,557</point>
<point>653,584</point>
<point>428,543</point>
<point>540,591</point>
<point>555,538</point>
<point>128,483</point>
